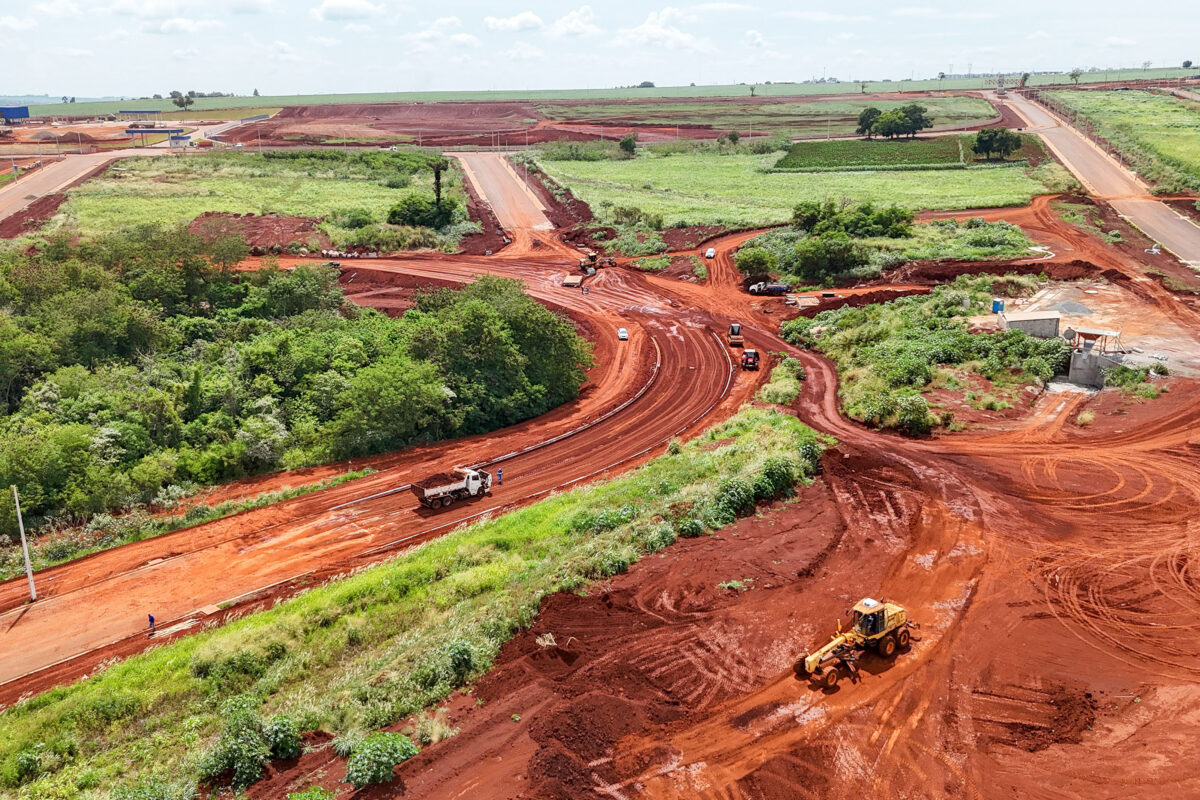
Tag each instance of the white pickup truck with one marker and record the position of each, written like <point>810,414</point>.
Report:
<point>442,489</point>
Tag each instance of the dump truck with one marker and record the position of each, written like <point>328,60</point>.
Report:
<point>735,335</point>
<point>573,281</point>
<point>762,287</point>
<point>442,489</point>
<point>750,359</point>
<point>876,625</point>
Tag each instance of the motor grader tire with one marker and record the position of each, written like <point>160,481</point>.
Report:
<point>903,638</point>
<point>799,669</point>
<point>887,646</point>
<point>829,679</point>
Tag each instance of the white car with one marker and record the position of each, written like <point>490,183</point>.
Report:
<point>710,252</point>
<point>622,334</point>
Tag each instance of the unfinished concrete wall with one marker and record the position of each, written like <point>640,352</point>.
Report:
<point>1042,328</point>
<point>1088,366</point>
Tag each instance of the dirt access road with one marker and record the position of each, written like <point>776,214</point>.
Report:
<point>1107,180</point>
<point>632,403</point>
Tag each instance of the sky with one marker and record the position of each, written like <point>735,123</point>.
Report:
<point>91,48</point>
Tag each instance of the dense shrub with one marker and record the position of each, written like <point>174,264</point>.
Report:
<point>375,758</point>
<point>418,210</point>
<point>312,793</point>
<point>156,789</point>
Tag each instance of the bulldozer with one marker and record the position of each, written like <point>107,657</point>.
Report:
<point>876,625</point>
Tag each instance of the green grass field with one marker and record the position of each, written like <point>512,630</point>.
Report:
<point>813,118</point>
<point>738,90</point>
<point>173,190</point>
<point>876,152</point>
<point>222,114</point>
<point>733,190</point>
<point>369,649</point>
<point>1161,133</point>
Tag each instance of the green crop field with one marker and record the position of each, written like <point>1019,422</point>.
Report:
<point>875,152</point>
<point>178,189</point>
<point>734,190</point>
<point>1160,133</point>
<point>222,114</point>
<point>810,118</point>
<point>737,90</point>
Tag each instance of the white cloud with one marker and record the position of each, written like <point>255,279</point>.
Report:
<point>1037,35</point>
<point>705,8</point>
<point>357,27</point>
<point>177,25</point>
<point>337,10</point>
<point>523,51</point>
<point>70,52</point>
<point>755,39</point>
<point>525,21</point>
<point>438,35</point>
<point>580,22</point>
<point>59,8</point>
<point>325,41</point>
<point>151,9</point>
<point>251,6</point>
<point>17,24</point>
<point>922,11</point>
<point>661,29</point>
<point>1119,41</point>
<point>283,52</point>
<point>823,16</point>
<point>185,53</point>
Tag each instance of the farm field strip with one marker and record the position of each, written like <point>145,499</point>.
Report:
<point>733,190</point>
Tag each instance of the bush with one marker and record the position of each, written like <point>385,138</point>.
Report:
<point>283,737</point>
<point>754,261</point>
<point>353,218</point>
<point>690,528</point>
<point>912,415</point>
<point>156,789</point>
<point>421,211</point>
<point>735,494</point>
<point>375,758</point>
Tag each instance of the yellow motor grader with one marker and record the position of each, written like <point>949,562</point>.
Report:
<point>876,625</point>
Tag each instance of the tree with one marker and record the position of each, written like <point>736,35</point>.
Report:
<point>64,99</point>
<point>891,124</point>
<point>422,211</point>
<point>1024,79</point>
<point>182,100</point>
<point>752,91</point>
<point>72,99</point>
<point>438,165</point>
<point>755,261</point>
<point>862,86</point>
<point>256,92</point>
<point>628,144</point>
<point>996,140</point>
<point>866,120</point>
<point>734,136</point>
<point>1146,65</point>
<point>915,118</point>
<point>941,76</point>
<point>1075,75</point>
<point>1187,64</point>
<point>646,85</point>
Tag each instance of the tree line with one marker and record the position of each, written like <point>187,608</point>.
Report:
<point>908,120</point>
<point>139,363</point>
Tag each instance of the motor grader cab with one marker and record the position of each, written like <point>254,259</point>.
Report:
<point>875,625</point>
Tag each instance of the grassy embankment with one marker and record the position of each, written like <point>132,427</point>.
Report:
<point>717,90</point>
<point>739,188</point>
<point>370,649</point>
<point>169,190</point>
<point>1159,134</point>
<point>889,355</point>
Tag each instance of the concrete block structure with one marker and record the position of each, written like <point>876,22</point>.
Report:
<point>1042,324</point>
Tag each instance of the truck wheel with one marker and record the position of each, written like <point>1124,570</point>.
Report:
<point>829,680</point>
<point>887,646</point>
<point>903,637</point>
<point>446,501</point>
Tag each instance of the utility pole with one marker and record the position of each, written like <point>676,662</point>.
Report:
<point>24,545</point>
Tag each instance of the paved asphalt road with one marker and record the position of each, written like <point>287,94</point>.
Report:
<point>54,178</point>
<point>1106,179</point>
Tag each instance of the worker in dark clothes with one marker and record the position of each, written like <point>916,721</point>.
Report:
<point>151,624</point>
<point>500,476</point>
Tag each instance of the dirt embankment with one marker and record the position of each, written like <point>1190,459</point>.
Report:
<point>491,238</point>
<point>32,216</point>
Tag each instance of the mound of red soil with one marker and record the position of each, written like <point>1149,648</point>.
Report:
<point>857,300</point>
<point>690,237</point>
<point>31,217</point>
<point>261,231</point>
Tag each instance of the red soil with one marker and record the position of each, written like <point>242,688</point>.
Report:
<point>31,217</point>
<point>261,232</point>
